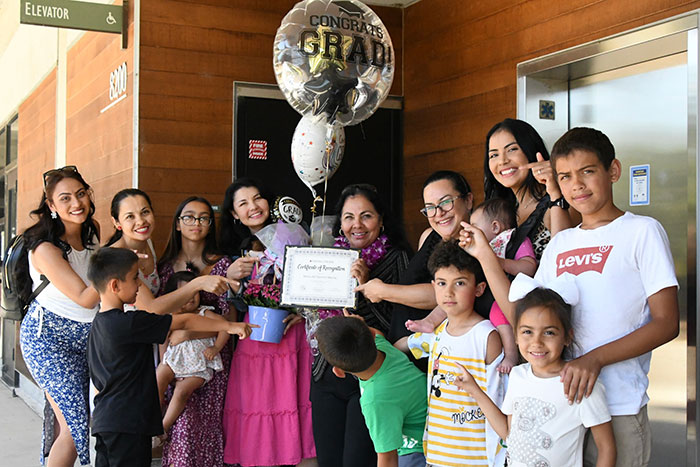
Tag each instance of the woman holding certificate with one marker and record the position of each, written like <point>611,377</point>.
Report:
<point>267,413</point>
<point>364,224</point>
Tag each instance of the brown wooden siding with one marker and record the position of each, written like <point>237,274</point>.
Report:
<point>191,53</point>
<point>99,144</point>
<point>460,73</point>
<point>36,145</point>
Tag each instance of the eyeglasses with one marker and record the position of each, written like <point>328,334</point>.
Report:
<point>52,172</point>
<point>192,220</point>
<point>446,205</point>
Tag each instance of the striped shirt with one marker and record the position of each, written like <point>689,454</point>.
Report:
<point>456,429</point>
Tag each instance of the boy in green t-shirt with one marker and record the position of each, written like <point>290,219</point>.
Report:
<point>393,400</point>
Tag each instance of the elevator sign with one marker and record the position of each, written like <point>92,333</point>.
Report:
<point>72,15</point>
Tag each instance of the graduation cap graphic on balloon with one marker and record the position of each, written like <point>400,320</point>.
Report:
<point>350,8</point>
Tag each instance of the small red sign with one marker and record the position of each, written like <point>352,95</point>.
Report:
<point>257,149</point>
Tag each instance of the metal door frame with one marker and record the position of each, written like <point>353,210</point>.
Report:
<point>620,49</point>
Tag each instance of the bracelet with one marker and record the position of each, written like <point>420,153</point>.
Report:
<point>559,202</point>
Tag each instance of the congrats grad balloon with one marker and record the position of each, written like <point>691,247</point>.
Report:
<point>333,60</point>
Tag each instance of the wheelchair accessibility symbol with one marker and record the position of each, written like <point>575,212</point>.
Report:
<point>110,19</point>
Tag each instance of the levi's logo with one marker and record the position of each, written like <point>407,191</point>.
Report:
<point>583,259</point>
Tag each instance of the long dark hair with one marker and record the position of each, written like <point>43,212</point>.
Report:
<point>392,228</point>
<point>530,143</point>
<point>174,246</point>
<point>233,235</point>
<point>50,230</point>
<point>116,203</point>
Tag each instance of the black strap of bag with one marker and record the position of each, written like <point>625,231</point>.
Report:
<point>44,282</point>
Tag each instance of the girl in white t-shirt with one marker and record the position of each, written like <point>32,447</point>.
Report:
<point>536,420</point>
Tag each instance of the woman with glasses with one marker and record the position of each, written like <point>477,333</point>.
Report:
<point>54,333</point>
<point>267,413</point>
<point>517,168</point>
<point>364,223</point>
<point>447,201</point>
<point>134,221</point>
<point>196,437</point>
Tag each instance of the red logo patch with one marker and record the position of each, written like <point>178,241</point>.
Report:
<point>583,259</point>
<point>257,149</point>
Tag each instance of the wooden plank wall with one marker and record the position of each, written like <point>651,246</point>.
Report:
<point>192,51</point>
<point>460,72</point>
<point>99,144</point>
<point>36,145</point>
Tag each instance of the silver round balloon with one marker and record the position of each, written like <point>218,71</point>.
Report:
<point>333,60</point>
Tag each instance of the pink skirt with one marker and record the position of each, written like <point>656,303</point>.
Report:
<point>267,413</point>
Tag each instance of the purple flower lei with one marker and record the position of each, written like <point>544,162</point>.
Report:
<point>372,254</point>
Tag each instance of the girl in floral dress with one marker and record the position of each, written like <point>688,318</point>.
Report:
<point>196,437</point>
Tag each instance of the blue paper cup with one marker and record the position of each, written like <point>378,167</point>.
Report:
<point>270,321</point>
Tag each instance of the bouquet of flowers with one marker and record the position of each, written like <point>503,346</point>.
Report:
<point>260,294</point>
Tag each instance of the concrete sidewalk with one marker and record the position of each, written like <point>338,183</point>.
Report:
<point>20,431</point>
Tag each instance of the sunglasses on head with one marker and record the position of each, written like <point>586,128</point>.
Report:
<point>50,173</point>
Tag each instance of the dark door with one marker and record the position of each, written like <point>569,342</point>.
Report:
<point>373,151</point>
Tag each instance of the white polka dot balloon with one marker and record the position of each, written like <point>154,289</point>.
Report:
<point>309,158</point>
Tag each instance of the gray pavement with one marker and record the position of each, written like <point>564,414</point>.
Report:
<point>20,431</point>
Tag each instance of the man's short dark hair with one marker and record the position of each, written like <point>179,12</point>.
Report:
<point>584,139</point>
<point>448,254</point>
<point>346,343</point>
<point>110,263</point>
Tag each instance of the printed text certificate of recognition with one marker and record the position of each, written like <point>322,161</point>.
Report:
<point>318,277</point>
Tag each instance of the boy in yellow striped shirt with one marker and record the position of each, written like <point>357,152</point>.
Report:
<point>457,433</point>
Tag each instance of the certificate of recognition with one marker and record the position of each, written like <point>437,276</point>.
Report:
<point>318,277</point>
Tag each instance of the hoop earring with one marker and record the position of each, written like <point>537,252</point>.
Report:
<point>381,230</point>
<point>54,215</point>
<point>340,231</point>
<point>236,221</point>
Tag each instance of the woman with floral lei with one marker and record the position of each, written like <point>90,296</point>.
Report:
<point>364,223</point>
<point>267,413</point>
<point>196,438</point>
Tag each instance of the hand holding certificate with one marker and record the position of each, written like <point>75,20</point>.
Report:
<point>318,277</point>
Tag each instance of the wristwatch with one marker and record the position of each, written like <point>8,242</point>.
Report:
<point>559,202</point>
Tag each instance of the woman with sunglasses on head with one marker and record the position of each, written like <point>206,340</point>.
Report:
<point>53,334</point>
<point>448,201</point>
<point>267,413</point>
<point>134,221</point>
<point>364,223</point>
<point>517,168</point>
<point>196,438</point>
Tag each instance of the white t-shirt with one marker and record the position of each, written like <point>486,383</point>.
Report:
<point>617,267</point>
<point>56,301</point>
<point>545,429</point>
<point>456,429</point>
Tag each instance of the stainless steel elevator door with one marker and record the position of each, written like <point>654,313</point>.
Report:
<point>644,110</point>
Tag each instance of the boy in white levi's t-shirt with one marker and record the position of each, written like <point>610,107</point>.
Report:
<point>625,272</point>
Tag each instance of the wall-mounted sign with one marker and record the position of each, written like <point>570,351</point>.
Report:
<point>257,149</point>
<point>117,86</point>
<point>639,185</point>
<point>72,15</point>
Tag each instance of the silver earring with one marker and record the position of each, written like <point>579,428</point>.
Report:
<point>340,231</point>
<point>54,215</point>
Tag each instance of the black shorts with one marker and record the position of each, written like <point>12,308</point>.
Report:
<point>122,450</point>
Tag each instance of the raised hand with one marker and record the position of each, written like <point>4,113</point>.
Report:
<point>473,241</point>
<point>216,284</point>
<point>544,174</point>
<point>372,290</point>
<point>241,268</point>
<point>359,271</point>
<point>242,330</point>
